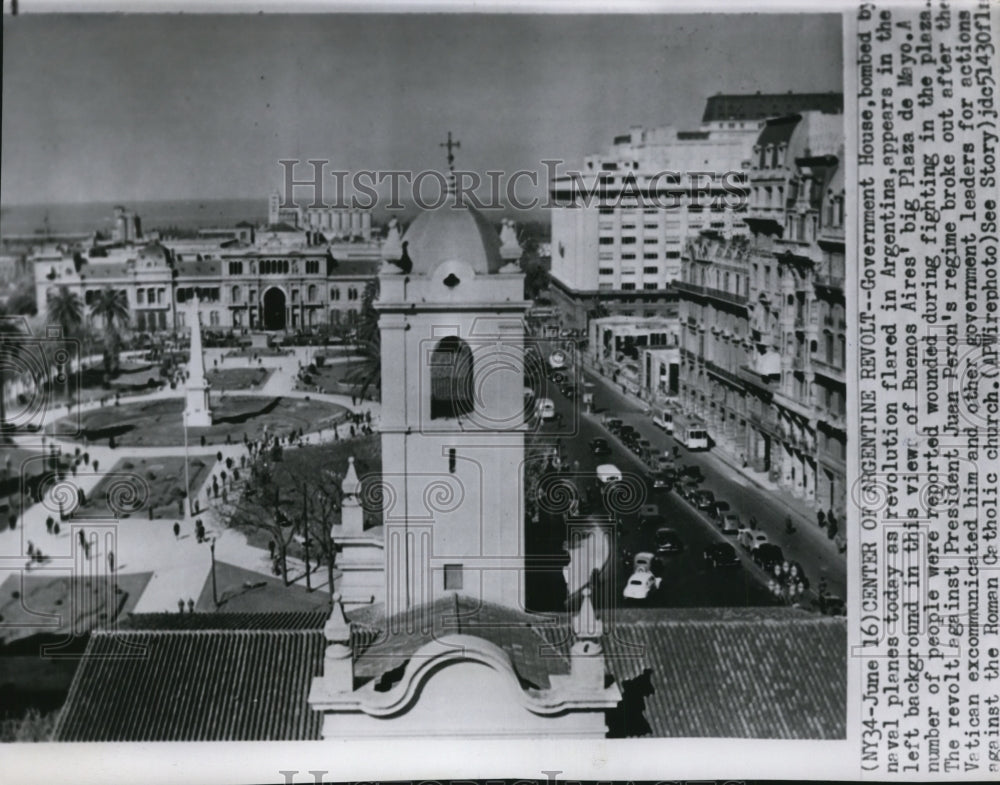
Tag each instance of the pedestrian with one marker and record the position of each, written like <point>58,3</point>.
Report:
<point>177,530</point>
<point>48,524</point>
<point>55,528</point>
<point>352,431</point>
<point>789,526</point>
<point>190,605</point>
<point>95,464</point>
<point>82,538</point>
<point>354,400</point>
<point>180,606</point>
<point>31,548</point>
<point>821,519</point>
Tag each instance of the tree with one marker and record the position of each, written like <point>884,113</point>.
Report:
<point>369,373</point>
<point>111,305</point>
<point>12,345</point>
<point>65,309</point>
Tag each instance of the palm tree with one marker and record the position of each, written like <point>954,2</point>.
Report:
<point>111,305</point>
<point>11,329</point>
<point>65,309</point>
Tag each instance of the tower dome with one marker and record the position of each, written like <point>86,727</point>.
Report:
<point>453,233</point>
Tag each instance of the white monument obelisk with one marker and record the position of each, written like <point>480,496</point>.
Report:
<point>197,411</point>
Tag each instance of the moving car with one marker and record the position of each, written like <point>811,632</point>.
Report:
<point>832,605</point>
<point>666,461</point>
<point>649,513</point>
<point>730,523</point>
<point>668,541</point>
<point>721,554</point>
<point>569,390</point>
<point>613,424</point>
<point>641,585</point>
<point>600,446</point>
<point>750,538</point>
<point>608,472</point>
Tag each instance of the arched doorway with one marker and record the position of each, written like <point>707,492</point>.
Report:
<point>274,309</point>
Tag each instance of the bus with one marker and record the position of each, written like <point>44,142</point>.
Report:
<point>663,417</point>
<point>690,432</point>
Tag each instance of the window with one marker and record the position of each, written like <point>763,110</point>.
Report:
<point>236,294</point>
<point>140,296</point>
<point>352,294</point>
<point>213,318</point>
<point>650,270</point>
<point>236,268</point>
<point>334,293</point>
<point>311,292</point>
<point>650,240</point>
<point>649,226</point>
<point>606,271</point>
<point>312,266</point>
<point>452,393</point>
<point>605,210</point>
<point>606,240</point>
<point>451,460</point>
<point>605,256</point>
<point>653,255</point>
<point>649,286</point>
<point>295,295</point>
<point>453,577</point>
<point>628,287</point>
<point>161,293</point>
<point>628,256</point>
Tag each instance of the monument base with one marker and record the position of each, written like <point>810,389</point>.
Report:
<point>198,418</point>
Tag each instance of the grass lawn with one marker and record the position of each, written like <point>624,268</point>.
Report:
<point>230,379</point>
<point>160,423</point>
<point>245,591</point>
<point>73,604</point>
<point>160,487</point>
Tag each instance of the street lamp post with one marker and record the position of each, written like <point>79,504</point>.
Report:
<point>215,592</point>
<point>187,461</point>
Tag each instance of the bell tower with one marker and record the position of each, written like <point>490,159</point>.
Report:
<point>451,319</point>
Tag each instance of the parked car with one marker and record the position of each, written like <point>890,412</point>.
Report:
<point>608,472</point>
<point>721,554</point>
<point>750,538</point>
<point>643,445</point>
<point>693,471</point>
<point>569,390</point>
<point>600,446</point>
<point>613,424</point>
<point>668,541</point>
<point>767,555</point>
<point>641,585</point>
<point>688,488</point>
<point>704,500</point>
<point>660,481</point>
<point>730,523</point>
<point>719,510</point>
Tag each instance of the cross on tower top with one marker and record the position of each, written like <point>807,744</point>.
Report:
<point>451,145</point>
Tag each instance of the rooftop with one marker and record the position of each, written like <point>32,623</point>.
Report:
<point>758,673</point>
<point>759,106</point>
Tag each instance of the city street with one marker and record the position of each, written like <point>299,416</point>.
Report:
<point>686,581</point>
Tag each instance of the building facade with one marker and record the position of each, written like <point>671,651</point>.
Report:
<point>288,284</point>
<point>763,343</point>
<point>619,227</point>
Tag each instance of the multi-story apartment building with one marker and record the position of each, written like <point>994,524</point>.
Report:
<point>619,226</point>
<point>334,222</point>
<point>762,316</point>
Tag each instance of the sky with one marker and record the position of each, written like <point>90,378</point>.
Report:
<point>138,107</point>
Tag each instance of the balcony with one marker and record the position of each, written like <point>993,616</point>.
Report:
<point>712,293</point>
<point>721,373</point>
<point>749,376</point>
<point>765,421</point>
<point>828,369</point>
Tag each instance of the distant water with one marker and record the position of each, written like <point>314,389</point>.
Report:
<point>184,214</point>
<point>86,217</point>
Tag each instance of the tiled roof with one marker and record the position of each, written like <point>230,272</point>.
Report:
<point>748,673</point>
<point>760,106</point>
<point>206,267</point>
<point>755,678</point>
<point>194,686</point>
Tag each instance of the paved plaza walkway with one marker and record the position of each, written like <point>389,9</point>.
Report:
<point>180,566</point>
